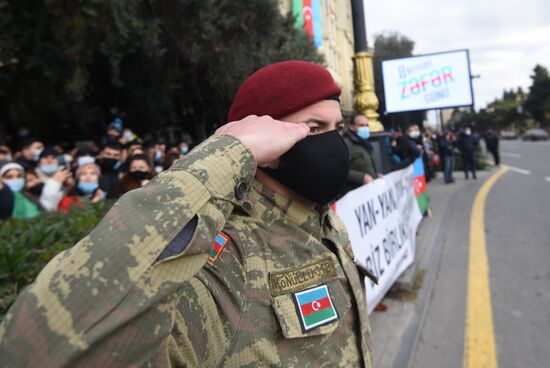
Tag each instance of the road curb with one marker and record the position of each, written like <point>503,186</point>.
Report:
<point>411,335</point>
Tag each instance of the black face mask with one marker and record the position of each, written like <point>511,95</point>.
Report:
<point>316,167</point>
<point>36,190</point>
<point>109,164</point>
<point>138,175</point>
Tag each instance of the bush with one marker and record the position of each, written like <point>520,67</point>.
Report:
<point>481,163</point>
<point>27,245</point>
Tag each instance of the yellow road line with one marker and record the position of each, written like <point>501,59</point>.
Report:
<point>479,349</point>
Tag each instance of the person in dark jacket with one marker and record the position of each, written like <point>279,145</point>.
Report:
<point>447,145</point>
<point>110,164</point>
<point>491,142</point>
<point>409,146</point>
<point>30,153</point>
<point>467,143</point>
<point>361,161</point>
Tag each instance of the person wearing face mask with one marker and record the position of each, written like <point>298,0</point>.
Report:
<point>409,146</point>
<point>109,161</point>
<point>157,155</point>
<point>86,190</point>
<point>137,173</point>
<point>48,163</point>
<point>184,148</point>
<point>57,179</point>
<point>33,184</point>
<point>235,239</point>
<point>361,161</point>
<point>30,153</point>
<point>14,202</point>
<point>467,144</point>
<point>83,156</point>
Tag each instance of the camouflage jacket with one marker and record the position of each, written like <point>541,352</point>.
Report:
<point>147,287</point>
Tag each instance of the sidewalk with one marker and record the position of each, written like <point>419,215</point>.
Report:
<point>396,330</point>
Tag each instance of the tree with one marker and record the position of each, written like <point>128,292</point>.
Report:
<point>64,55</point>
<point>501,114</point>
<point>389,45</point>
<point>538,100</point>
<point>170,63</point>
<point>220,43</point>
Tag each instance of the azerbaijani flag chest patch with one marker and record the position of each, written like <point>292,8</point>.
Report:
<point>220,243</point>
<point>315,307</point>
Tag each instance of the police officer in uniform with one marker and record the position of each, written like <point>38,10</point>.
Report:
<point>230,258</point>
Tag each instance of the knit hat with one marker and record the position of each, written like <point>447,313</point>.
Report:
<point>49,151</point>
<point>11,165</point>
<point>115,125</point>
<point>282,88</point>
<point>91,165</point>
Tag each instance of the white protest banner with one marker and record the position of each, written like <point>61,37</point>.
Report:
<point>381,219</point>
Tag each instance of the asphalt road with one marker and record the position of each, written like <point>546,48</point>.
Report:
<point>517,233</point>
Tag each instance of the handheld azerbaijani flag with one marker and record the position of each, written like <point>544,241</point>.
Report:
<point>315,307</point>
<point>420,187</point>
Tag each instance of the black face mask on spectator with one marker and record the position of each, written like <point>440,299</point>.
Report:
<point>138,175</point>
<point>108,164</point>
<point>36,190</point>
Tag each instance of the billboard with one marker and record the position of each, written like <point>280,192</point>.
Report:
<point>425,82</point>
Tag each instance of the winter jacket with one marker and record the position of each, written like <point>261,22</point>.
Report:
<point>361,160</point>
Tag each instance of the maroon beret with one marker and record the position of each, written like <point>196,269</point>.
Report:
<point>282,88</point>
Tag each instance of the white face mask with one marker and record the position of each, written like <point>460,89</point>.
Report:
<point>414,134</point>
<point>468,132</point>
<point>16,185</point>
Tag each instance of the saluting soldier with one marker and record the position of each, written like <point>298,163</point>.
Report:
<point>230,258</point>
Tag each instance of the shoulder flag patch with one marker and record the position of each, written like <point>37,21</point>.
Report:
<point>220,242</point>
<point>315,307</point>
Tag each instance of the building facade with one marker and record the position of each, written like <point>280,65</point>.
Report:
<point>336,45</point>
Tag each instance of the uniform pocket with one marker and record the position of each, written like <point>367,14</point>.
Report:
<point>313,311</point>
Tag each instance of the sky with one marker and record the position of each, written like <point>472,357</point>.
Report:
<point>506,38</point>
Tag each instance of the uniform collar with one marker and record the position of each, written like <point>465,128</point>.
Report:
<point>270,205</point>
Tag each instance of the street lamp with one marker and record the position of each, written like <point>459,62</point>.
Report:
<point>364,100</point>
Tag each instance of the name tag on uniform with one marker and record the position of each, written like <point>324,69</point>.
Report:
<point>315,307</point>
<point>284,282</point>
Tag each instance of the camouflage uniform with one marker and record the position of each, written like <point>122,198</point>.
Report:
<point>140,291</point>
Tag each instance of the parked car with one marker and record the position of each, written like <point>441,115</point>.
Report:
<point>535,135</point>
<point>508,134</point>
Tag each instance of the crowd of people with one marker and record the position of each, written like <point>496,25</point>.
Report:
<point>36,178</point>
<point>437,150</point>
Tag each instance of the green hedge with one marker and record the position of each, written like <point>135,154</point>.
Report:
<point>27,245</point>
<point>481,163</point>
